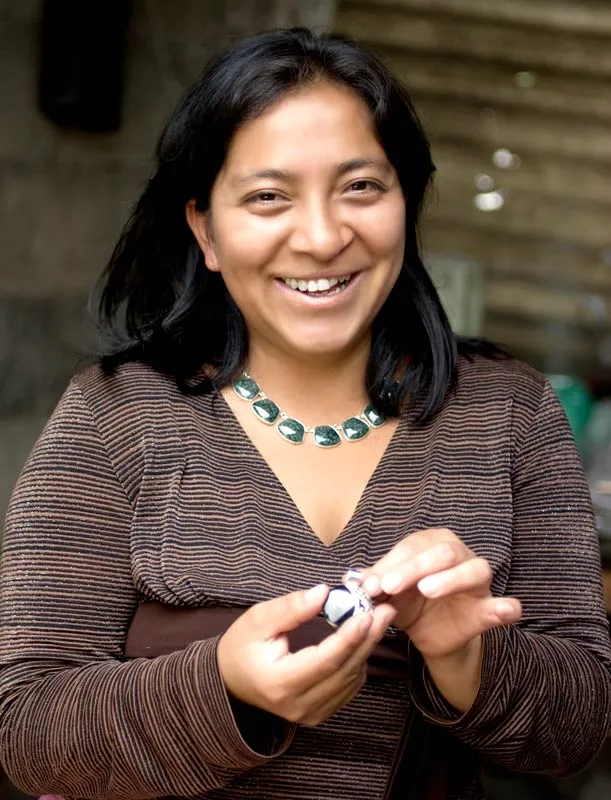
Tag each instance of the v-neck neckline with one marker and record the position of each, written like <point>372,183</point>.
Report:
<point>242,437</point>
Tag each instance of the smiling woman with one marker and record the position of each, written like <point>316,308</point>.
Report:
<point>270,273</point>
<point>291,168</point>
<point>309,249</point>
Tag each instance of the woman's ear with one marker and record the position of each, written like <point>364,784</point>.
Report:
<point>201,229</point>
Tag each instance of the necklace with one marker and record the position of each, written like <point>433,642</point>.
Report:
<point>292,430</point>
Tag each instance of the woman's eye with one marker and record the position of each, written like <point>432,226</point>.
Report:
<point>363,186</point>
<point>264,197</point>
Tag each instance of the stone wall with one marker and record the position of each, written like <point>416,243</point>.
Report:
<point>64,194</point>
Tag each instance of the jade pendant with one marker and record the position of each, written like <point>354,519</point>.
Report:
<point>326,436</point>
<point>292,430</point>
<point>266,410</point>
<point>246,388</point>
<point>354,429</point>
<point>373,417</point>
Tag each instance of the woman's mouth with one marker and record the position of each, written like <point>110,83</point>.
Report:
<point>322,287</point>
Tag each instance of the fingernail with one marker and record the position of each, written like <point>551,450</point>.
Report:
<point>431,585</point>
<point>372,585</point>
<point>389,616</point>
<point>390,582</point>
<point>365,621</point>
<point>505,609</point>
<point>316,593</point>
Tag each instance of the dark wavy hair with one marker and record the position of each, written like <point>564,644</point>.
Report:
<point>158,303</point>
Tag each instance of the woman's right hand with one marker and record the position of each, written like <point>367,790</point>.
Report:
<point>308,686</point>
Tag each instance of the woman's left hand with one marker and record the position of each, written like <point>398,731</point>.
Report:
<point>441,591</point>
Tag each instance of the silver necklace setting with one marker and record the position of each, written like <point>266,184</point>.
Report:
<point>292,430</point>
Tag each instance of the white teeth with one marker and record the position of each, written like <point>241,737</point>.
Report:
<point>321,285</point>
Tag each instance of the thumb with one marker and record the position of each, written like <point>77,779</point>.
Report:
<point>285,613</point>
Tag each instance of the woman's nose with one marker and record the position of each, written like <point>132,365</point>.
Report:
<point>320,233</point>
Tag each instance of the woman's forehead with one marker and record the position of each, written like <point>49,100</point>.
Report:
<point>322,125</point>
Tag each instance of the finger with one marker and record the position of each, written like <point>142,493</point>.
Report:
<point>371,576</point>
<point>408,548</point>
<point>339,653</point>
<point>437,558</point>
<point>331,699</point>
<point>283,614</point>
<point>371,584</point>
<point>383,616</point>
<point>498,611</point>
<point>310,666</point>
<point>474,574</point>
<point>488,613</point>
<point>333,682</point>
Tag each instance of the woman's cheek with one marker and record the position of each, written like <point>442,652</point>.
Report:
<point>257,239</point>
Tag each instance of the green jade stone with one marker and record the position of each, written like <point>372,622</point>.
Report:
<point>292,430</point>
<point>354,429</point>
<point>326,436</point>
<point>246,388</point>
<point>373,417</point>
<point>266,410</point>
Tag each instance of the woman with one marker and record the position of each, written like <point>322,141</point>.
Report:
<point>167,555</point>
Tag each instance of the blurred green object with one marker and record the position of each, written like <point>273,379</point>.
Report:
<point>460,285</point>
<point>577,401</point>
<point>597,435</point>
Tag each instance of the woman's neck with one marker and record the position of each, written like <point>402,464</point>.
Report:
<point>312,389</point>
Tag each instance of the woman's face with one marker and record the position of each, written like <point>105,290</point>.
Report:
<point>306,224</point>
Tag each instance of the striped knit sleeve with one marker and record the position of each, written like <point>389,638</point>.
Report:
<point>75,718</point>
<point>544,702</point>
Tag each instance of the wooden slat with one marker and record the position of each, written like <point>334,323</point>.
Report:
<point>542,260</point>
<point>550,348</point>
<point>589,183</point>
<point>553,15</point>
<point>607,589</point>
<point>525,132</point>
<point>546,254</point>
<point>393,28</point>
<point>524,215</point>
<point>492,84</point>
<point>542,303</point>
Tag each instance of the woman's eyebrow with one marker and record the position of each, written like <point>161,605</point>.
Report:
<point>291,177</point>
<point>271,174</point>
<point>362,163</point>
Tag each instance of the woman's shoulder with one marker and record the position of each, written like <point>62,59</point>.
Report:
<point>500,379</point>
<point>131,411</point>
<point>134,387</point>
<point>502,398</point>
<point>133,403</point>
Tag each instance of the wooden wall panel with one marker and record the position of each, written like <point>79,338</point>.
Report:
<point>533,78</point>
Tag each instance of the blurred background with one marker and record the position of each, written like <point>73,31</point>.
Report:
<point>516,98</point>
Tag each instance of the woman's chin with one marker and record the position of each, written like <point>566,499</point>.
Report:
<point>323,349</point>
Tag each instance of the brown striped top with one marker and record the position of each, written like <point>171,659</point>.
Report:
<point>136,492</point>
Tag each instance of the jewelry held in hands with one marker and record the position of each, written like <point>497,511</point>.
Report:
<point>346,601</point>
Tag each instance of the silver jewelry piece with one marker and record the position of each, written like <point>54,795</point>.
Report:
<point>347,601</point>
<point>292,430</point>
